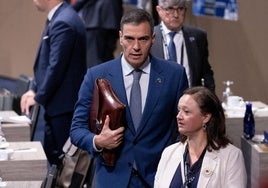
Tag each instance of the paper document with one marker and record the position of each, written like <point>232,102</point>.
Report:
<point>15,119</point>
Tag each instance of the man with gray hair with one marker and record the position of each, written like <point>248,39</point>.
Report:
<point>186,45</point>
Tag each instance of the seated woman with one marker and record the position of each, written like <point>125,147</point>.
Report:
<point>204,157</point>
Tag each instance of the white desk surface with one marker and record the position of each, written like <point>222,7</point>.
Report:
<point>14,132</point>
<point>23,184</point>
<point>234,123</point>
<point>259,109</point>
<point>28,162</point>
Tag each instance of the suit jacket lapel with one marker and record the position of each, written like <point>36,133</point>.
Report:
<point>45,38</point>
<point>191,49</point>
<point>157,49</point>
<point>188,45</point>
<point>45,35</point>
<point>155,86</point>
<point>208,167</point>
<point>115,76</point>
<point>62,6</point>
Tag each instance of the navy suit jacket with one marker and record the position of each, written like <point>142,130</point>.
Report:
<point>166,84</point>
<point>104,14</point>
<point>197,50</point>
<point>61,62</point>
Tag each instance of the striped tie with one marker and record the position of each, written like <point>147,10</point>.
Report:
<point>172,47</point>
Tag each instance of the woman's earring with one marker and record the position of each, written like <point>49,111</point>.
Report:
<point>204,126</point>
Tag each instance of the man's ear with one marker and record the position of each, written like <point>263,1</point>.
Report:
<point>153,37</point>
<point>120,37</point>
<point>159,11</point>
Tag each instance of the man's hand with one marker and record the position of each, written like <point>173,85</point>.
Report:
<point>108,138</point>
<point>27,100</point>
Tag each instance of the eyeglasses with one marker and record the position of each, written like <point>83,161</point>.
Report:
<point>172,10</point>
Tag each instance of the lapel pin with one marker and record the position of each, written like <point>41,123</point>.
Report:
<point>207,172</point>
<point>158,80</point>
<point>192,39</point>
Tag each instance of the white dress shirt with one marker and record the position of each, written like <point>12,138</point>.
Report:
<point>179,42</point>
<point>127,70</point>
<point>52,11</point>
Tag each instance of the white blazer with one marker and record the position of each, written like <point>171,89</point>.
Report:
<point>221,169</point>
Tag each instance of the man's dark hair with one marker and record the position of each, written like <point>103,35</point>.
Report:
<point>137,16</point>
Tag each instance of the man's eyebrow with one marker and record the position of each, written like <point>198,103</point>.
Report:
<point>142,37</point>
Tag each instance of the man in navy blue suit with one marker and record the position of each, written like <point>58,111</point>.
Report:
<point>162,83</point>
<point>59,69</point>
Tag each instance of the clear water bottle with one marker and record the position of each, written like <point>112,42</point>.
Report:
<point>227,92</point>
<point>1,132</point>
<point>249,122</point>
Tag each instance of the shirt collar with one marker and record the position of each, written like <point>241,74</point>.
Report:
<point>166,30</point>
<point>127,68</point>
<point>52,11</point>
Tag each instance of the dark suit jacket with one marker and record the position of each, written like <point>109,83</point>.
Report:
<point>104,14</point>
<point>166,84</point>
<point>197,50</point>
<point>102,21</point>
<point>61,62</point>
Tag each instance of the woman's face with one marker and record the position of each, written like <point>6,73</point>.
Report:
<point>190,119</point>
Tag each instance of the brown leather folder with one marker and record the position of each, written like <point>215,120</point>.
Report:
<point>105,102</point>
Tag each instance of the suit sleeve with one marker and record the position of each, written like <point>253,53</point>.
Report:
<point>80,134</point>
<point>207,72</point>
<point>79,4</point>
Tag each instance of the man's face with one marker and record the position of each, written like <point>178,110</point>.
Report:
<point>41,5</point>
<point>173,16</point>
<point>136,41</point>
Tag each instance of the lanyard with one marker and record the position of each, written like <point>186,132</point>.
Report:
<point>191,175</point>
<point>166,45</point>
<point>182,51</point>
<point>165,41</point>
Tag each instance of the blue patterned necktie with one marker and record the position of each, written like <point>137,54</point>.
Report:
<point>135,98</point>
<point>172,47</point>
